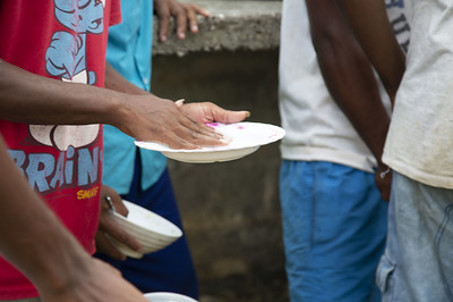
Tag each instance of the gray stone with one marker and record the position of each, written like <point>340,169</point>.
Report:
<point>230,210</point>
<point>233,25</point>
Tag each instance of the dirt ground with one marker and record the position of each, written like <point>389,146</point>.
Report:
<point>245,289</point>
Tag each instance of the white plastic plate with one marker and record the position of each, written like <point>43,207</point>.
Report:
<point>168,297</point>
<point>246,138</point>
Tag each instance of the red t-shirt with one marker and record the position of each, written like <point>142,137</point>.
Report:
<point>65,40</point>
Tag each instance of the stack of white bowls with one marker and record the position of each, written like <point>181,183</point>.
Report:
<point>153,231</point>
<point>168,297</point>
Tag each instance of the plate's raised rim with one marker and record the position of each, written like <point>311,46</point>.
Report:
<point>169,295</point>
<point>211,157</point>
<point>164,148</point>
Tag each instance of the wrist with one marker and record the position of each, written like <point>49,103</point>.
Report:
<point>117,111</point>
<point>383,170</point>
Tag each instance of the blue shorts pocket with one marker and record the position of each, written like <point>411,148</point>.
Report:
<point>384,274</point>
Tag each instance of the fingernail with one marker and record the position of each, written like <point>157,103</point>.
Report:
<point>182,36</point>
<point>163,38</point>
<point>247,114</point>
<point>194,28</point>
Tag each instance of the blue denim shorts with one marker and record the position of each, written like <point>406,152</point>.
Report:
<point>418,262</point>
<point>334,227</point>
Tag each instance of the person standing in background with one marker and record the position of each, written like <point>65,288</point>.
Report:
<point>332,181</point>
<point>417,265</point>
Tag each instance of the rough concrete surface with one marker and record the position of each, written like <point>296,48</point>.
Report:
<point>233,25</point>
<point>230,210</point>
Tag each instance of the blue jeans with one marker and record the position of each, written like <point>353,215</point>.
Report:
<point>334,227</point>
<point>418,262</point>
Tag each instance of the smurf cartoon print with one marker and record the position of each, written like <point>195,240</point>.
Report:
<point>66,59</point>
<point>66,55</point>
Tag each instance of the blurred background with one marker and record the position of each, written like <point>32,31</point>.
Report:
<point>230,210</point>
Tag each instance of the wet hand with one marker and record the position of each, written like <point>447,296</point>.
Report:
<point>207,112</point>
<point>150,118</point>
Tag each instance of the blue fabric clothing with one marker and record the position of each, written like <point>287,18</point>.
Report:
<point>170,269</point>
<point>129,53</point>
<point>334,228</point>
<point>417,264</point>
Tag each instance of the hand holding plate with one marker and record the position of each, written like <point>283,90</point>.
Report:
<point>207,112</point>
<point>149,118</point>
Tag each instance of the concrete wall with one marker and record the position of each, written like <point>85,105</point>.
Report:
<point>230,210</point>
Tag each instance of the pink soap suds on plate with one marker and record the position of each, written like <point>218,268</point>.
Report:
<point>212,124</point>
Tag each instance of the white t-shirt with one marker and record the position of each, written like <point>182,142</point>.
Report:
<point>316,129</point>
<point>420,139</point>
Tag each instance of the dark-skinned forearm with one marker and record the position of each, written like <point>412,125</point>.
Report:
<point>33,99</point>
<point>369,21</point>
<point>31,237</point>
<point>348,74</point>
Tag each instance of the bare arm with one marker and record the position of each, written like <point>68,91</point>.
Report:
<point>203,112</point>
<point>370,23</point>
<point>348,75</point>
<point>33,239</point>
<point>28,98</point>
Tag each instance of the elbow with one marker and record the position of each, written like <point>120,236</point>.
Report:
<point>336,44</point>
<point>329,39</point>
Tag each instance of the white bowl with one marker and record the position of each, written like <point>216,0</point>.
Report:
<point>136,254</point>
<point>152,231</point>
<point>168,297</point>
